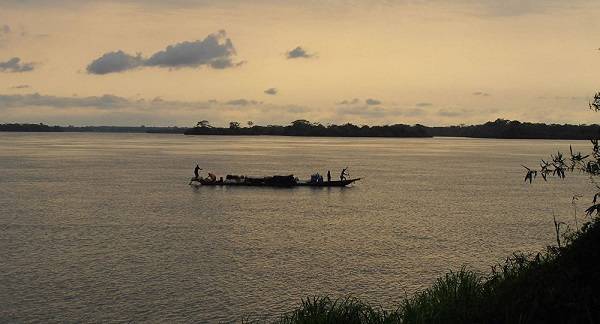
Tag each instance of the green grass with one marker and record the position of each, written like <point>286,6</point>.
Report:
<point>559,285</point>
<point>452,298</point>
<point>348,310</point>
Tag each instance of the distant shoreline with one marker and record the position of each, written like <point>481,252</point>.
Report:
<point>499,129</point>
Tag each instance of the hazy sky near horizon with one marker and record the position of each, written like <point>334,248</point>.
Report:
<point>435,62</point>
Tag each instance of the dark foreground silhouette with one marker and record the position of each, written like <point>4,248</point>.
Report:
<point>559,285</point>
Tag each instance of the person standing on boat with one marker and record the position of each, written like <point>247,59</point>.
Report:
<point>344,174</point>
<point>196,172</point>
<point>328,176</point>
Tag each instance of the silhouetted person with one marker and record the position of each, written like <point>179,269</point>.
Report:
<point>196,172</point>
<point>344,174</point>
<point>328,176</point>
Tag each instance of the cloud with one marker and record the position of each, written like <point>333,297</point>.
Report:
<point>271,91</point>
<point>215,51</point>
<point>104,102</point>
<point>518,7</point>
<point>424,104</point>
<point>412,112</point>
<point>349,102</point>
<point>21,86</point>
<point>486,8</point>
<point>576,98</point>
<point>35,99</point>
<point>364,111</point>
<point>220,64</point>
<point>295,109</point>
<point>298,52</point>
<point>242,102</point>
<point>114,62</point>
<point>372,108</point>
<point>117,110</point>
<point>454,112</point>
<point>8,33</point>
<point>355,101</point>
<point>372,102</point>
<point>378,111</point>
<point>15,65</point>
<point>483,94</point>
<point>4,33</point>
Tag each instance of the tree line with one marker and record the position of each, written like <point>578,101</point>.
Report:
<point>500,128</point>
<point>304,127</point>
<point>29,128</point>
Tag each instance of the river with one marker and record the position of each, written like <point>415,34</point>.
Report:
<point>103,227</point>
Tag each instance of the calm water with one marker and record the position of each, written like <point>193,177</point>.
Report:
<point>103,227</point>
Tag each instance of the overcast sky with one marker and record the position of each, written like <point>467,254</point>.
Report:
<point>432,62</point>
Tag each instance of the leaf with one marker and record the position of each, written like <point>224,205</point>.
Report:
<point>594,208</point>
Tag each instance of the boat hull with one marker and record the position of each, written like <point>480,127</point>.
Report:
<point>339,183</point>
<point>324,184</point>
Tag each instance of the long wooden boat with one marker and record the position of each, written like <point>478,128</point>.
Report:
<point>322,184</point>
<point>338,183</point>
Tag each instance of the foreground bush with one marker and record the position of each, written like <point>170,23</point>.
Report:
<point>348,310</point>
<point>560,285</point>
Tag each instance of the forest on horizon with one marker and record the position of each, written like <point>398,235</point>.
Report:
<point>500,128</point>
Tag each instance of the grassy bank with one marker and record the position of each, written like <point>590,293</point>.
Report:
<point>559,285</point>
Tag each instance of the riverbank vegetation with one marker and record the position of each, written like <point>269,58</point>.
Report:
<point>559,285</point>
<point>306,128</point>
<point>15,127</point>
<point>513,129</point>
<point>499,128</point>
<point>29,128</point>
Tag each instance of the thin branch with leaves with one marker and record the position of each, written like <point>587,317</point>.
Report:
<point>558,165</point>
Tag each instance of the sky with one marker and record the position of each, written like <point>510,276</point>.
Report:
<point>432,62</point>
